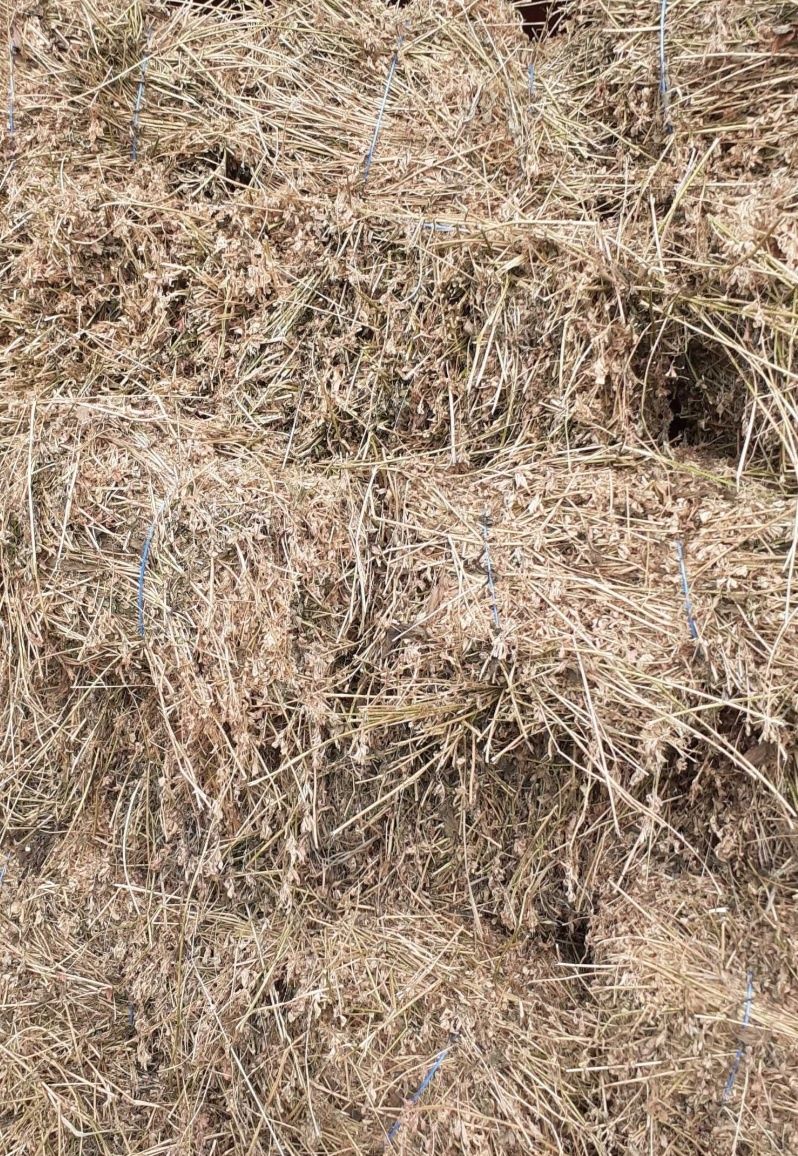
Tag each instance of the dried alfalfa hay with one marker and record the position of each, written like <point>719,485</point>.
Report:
<point>293,798</point>
<point>674,961</point>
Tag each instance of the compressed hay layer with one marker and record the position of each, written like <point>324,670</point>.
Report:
<point>563,273</point>
<point>346,803</point>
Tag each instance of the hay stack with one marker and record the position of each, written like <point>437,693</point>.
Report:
<point>416,751</point>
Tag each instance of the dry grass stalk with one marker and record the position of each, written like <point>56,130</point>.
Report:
<point>342,804</point>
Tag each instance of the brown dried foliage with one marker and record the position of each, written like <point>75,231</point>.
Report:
<point>326,819</point>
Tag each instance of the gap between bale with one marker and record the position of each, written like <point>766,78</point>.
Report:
<point>542,18</point>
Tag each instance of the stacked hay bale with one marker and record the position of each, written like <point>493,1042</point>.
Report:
<point>297,795</point>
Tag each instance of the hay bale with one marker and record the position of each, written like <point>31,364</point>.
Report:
<point>350,709</point>
<point>671,959</point>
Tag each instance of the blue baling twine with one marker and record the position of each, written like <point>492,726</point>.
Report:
<point>663,67</point>
<point>494,609</point>
<point>12,127</point>
<point>381,113</point>
<point>414,1099</point>
<point>749,999</point>
<point>134,126</point>
<point>145,555</point>
<point>686,592</point>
